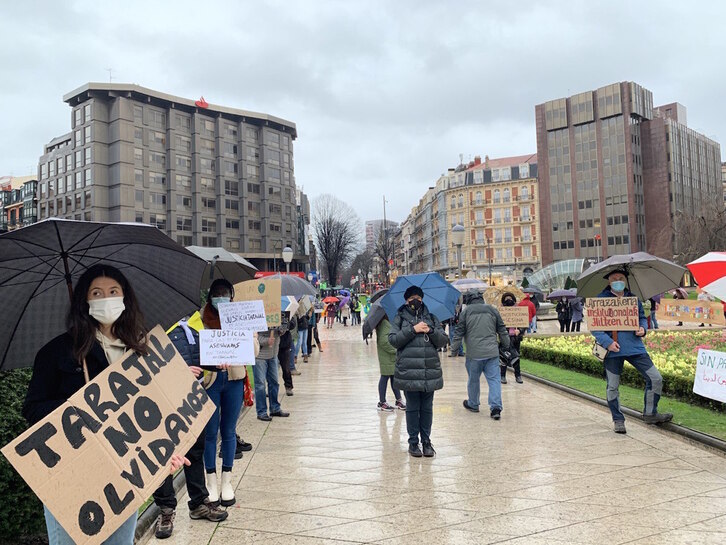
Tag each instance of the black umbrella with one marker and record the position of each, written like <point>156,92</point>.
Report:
<point>223,264</point>
<point>40,263</point>
<point>376,296</point>
<point>295,286</point>
<point>533,289</point>
<point>374,317</point>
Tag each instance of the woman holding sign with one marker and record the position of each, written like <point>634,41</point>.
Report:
<point>225,387</point>
<point>104,321</point>
<point>628,346</point>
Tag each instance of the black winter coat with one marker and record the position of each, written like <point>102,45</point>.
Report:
<point>190,352</point>
<point>57,376</point>
<point>418,368</point>
<point>286,338</point>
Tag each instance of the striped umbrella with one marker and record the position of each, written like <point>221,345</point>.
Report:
<point>709,272</point>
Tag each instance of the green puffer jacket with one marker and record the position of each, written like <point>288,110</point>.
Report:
<point>386,353</point>
<point>418,368</point>
<point>479,326</point>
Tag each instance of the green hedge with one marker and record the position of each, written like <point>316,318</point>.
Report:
<point>673,385</point>
<point>22,512</point>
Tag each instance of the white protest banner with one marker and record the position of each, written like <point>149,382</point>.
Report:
<point>245,315</point>
<point>710,378</point>
<point>514,316</point>
<point>97,458</point>
<point>269,290</point>
<point>612,313</point>
<point>692,312</point>
<point>232,346</point>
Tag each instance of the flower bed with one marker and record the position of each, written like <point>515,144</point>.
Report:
<point>673,353</point>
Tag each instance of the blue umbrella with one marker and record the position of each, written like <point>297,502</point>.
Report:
<point>440,297</point>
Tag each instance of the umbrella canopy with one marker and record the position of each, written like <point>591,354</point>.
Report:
<point>466,284</point>
<point>533,289</point>
<point>39,264</point>
<point>331,300</point>
<point>344,300</point>
<point>559,294</point>
<point>493,295</point>
<point>223,264</point>
<point>440,297</point>
<point>294,285</point>
<point>680,293</point>
<point>344,292</point>
<point>377,295</point>
<point>647,275</point>
<point>709,272</point>
<point>375,315</point>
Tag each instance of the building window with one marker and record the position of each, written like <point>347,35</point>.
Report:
<point>207,184</point>
<point>275,209</point>
<point>253,171</point>
<point>478,196</point>
<point>230,167</point>
<point>87,135</point>
<point>207,166</point>
<point>158,158</point>
<point>159,220</point>
<point>253,188</point>
<point>207,147</point>
<point>183,223</point>
<point>209,226</point>
<point>78,156</point>
<point>253,207</point>
<point>251,134</point>
<point>88,180</point>
<point>274,191</point>
<point>231,188</point>
<point>184,240</point>
<point>275,228</point>
<point>524,170</point>
<point>209,204</point>
<point>157,119</point>
<point>506,195</point>
<point>157,199</point>
<point>230,130</point>
<point>209,241</point>
<point>77,117</point>
<point>139,193</point>
<point>230,150</point>
<point>69,163</point>
<point>157,178</point>
<point>273,157</point>
<point>157,138</point>
<point>207,127</point>
<point>272,139</point>
<point>497,198</point>
<point>138,114</point>
<point>233,204</point>
<point>255,244</point>
<point>184,163</point>
<point>139,217</point>
<point>138,155</point>
<point>183,122</point>
<point>183,182</point>
<point>87,154</point>
<point>252,153</point>
<point>61,186</point>
<point>183,202</point>
<point>139,135</point>
<point>232,224</point>
<point>87,112</point>
<point>253,225</point>
<point>79,180</point>
<point>59,163</point>
<point>233,244</point>
<point>183,144</point>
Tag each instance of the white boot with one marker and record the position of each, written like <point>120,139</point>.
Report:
<point>212,487</point>
<point>227,489</point>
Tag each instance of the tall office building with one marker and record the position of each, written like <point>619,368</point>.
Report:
<point>373,232</point>
<point>207,175</point>
<point>610,177</point>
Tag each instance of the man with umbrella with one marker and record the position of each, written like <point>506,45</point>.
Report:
<point>628,346</point>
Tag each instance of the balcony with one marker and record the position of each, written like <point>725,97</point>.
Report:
<point>479,222</point>
<point>480,242</point>
<point>526,219</point>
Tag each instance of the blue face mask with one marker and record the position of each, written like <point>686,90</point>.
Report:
<point>618,286</point>
<point>217,300</point>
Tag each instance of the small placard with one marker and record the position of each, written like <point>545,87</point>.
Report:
<point>691,312</point>
<point>232,346</point>
<point>612,313</point>
<point>244,315</point>
<point>515,316</point>
<point>710,378</point>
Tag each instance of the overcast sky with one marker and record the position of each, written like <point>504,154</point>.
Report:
<point>385,94</point>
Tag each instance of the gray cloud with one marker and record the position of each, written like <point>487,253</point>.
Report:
<point>385,94</point>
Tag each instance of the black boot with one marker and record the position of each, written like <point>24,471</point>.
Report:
<point>428,450</point>
<point>414,450</point>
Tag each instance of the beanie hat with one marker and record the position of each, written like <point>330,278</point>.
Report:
<point>413,290</point>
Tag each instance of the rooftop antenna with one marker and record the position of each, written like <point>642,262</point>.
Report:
<point>461,158</point>
<point>110,74</point>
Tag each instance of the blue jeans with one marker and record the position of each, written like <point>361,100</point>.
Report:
<point>124,535</point>
<point>265,371</point>
<point>490,368</point>
<point>302,340</point>
<point>644,366</point>
<point>228,396</point>
<point>532,325</point>
<point>653,321</point>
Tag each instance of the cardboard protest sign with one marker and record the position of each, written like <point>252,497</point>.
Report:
<point>693,312</point>
<point>245,315</point>
<point>710,378</point>
<point>612,313</point>
<point>232,346</point>
<point>268,290</point>
<point>514,316</point>
<point>96,459</point>
<point>305,305</point>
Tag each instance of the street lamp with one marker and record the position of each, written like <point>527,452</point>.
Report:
<point>287,254</point>
<point>359,280</point>
<point>457,238</point>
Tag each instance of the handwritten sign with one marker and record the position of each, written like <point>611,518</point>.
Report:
<point>693,312</point>
<point>231,346</point>
<point>244,315</point>
<point>612,313</point>
<point>515,316</point>
<point>97,458</point>
<point>268,290</point>
<point>710,378</point>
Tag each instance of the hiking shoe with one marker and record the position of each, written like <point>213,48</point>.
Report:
<point>288,391</point>
<point>385,407</point>
<point>504,379</point>
<point>619,426</point>
<point>208,511</point>
<point>519,380</point>
<point>165,524</point>
<point>264,417</point>
<point>400,404</point>
<point>657,418</point>
<point>496,414</point>
<point>242,446</point>
<point>428,450</point>
<point>280,413</point>
<point>414,450</point>
<point>470,408</point>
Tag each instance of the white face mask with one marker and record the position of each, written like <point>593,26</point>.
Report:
<point>106,311</point>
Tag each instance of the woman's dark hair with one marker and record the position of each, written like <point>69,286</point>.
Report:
<point>509,299</point>
<point>219,284</point>
<point>82,327</point>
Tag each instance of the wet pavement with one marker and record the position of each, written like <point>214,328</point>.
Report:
<point>551,471</point>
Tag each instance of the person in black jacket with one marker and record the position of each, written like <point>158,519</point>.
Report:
<point>417,335</point>
<point>284,353</point>
<point>186,342</point>
<point>563,315</point>
<point>103,322</point>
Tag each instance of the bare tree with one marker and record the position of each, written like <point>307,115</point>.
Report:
<point>362,261</point>
<point>384,249</point>
<point>337,229</point>
<point>697,234</point>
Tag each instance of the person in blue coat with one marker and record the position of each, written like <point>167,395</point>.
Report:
<point>628,346</point>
